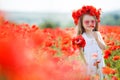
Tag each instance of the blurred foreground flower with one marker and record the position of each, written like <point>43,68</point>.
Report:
<point>30,53</point>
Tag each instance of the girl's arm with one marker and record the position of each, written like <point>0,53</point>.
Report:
<point>99,40</point>
<point>82,55</point>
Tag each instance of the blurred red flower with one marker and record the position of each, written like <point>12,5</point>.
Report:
<point>114,78</point>
<point>108,70</point>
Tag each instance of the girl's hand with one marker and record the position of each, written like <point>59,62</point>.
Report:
<point>95,34</point>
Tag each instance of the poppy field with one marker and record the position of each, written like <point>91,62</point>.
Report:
<point>31,53</point>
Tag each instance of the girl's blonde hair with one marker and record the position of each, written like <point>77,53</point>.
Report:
<point>81,29</point>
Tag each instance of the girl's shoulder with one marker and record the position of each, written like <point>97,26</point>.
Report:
<point>84,36</point>
<point>98,33</point>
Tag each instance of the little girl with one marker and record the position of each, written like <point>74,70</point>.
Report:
<point>87,20</point>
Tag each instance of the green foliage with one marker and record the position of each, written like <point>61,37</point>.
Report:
<point>110,19</point>
<point>114,64</point>
<point>49,24</point>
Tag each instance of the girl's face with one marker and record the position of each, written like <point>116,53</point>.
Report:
<point>89,22</point>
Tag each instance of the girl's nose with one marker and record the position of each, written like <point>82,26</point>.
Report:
<point>91,23</point>
<point>92,26</point>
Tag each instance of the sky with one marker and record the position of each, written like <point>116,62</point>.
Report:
<point>56,5</point>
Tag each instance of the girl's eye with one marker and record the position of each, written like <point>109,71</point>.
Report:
<point>87,22</point>
<point>92,21</point>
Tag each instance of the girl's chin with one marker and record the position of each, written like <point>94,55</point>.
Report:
<point>92,27</point>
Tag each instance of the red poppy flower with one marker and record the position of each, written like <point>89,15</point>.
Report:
<point>78,41</point>
<point>116,58</point>
<point>107,53</point>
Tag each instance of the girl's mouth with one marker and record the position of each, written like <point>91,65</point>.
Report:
<point>92,26</point>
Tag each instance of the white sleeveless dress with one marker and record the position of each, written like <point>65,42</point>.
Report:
<point>92,53</point>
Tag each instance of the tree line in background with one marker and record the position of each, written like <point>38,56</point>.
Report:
<point>111,19</point>
<point>62,20</point>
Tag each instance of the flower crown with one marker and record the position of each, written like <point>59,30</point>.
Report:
<point>86,10</point>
